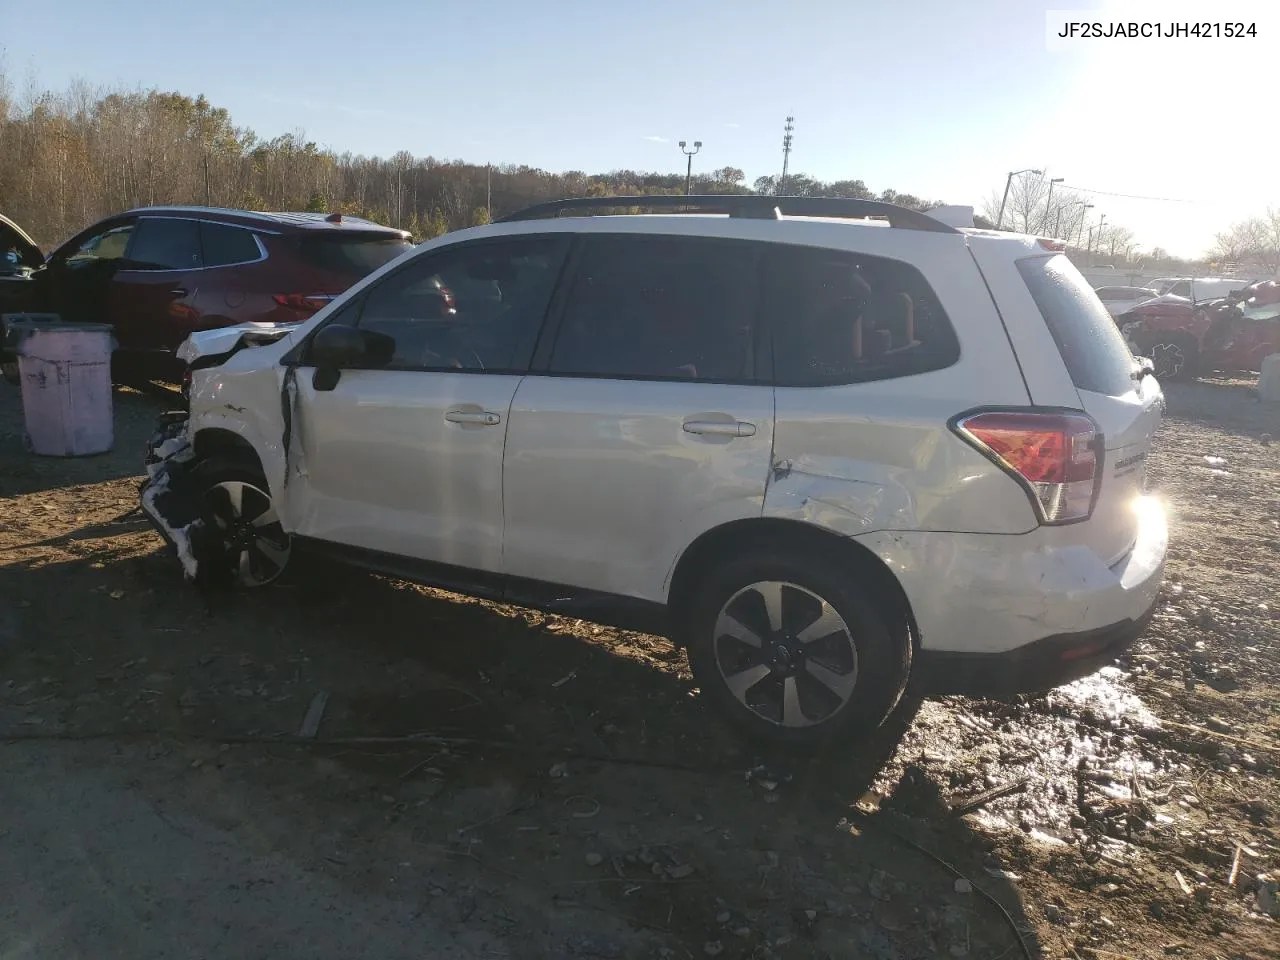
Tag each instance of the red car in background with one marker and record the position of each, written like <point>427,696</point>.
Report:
<point>1185,340</point>
<point>157,274</point>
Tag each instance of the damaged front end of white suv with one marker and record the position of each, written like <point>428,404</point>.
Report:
<point>172,496</point>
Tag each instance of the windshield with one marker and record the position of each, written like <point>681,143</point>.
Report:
<point>353,255</point>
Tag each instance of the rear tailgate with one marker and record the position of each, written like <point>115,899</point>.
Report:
<point>1097,374</point>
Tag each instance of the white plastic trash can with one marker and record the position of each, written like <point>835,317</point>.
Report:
<point>65,370</point>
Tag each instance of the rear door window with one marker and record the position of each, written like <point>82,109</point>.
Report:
<point>660,308</point>
<point>165,244</point>
<point>851,318</point>
<point>1091,345</point>
<point>351,255</point>
<point>225,245</point>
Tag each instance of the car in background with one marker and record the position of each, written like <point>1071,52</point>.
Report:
<point>1118,300</point>
<point>1184,340</point>
<point>1198,289</point>
<point>159,274</point>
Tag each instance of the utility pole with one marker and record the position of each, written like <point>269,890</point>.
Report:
<point>1008,183</point>
<point>1048,205</point>
<point>787,129</point>
<point>488,193</point>
<point>688,176</point>
<point>1102,219</point>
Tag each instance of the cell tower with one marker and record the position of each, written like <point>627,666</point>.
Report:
<point>787,130</point>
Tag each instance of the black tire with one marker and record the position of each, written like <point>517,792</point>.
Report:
<point>240,544</point>
<point>880,644</point>
<point>9,370</point>
<point>1175,357</point>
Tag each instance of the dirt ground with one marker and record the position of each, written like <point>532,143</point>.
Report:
<point>491,782</point>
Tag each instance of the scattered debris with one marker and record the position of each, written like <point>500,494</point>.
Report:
<point>592,807</point>
<point>980,800</point>
<point>315,713</point>
<point>1182,882</point>
<point>713,948</point>
<point>593,859</point>
<point>565,679</point>
<point>963,886</point>
<point>1268,897</point>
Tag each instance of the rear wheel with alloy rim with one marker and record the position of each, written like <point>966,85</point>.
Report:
<point>794,654</point>
<point>238,507</point>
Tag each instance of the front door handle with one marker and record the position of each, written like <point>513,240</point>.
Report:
<point>720,428</point>
<point>483,418</point>
<point>178,292</point>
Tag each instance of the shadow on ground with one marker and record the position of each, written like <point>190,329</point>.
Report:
<point>555,786</point>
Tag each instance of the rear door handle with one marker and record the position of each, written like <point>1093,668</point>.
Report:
<point>720,428</point>
<point>484,418</point>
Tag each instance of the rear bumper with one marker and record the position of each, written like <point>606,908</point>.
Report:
<point>997,615</point>
<point>1034,668</point>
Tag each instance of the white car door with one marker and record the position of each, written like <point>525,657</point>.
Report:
<point>646,418</point>
<point>404,456</point>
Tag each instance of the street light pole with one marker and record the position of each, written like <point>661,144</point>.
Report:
<point>1007,183</point>
<point>1048,204</point>
<point>688,175</point>
<point>1079,235</point>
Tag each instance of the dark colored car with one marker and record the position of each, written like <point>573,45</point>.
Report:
<point>157,274</point>
<point>1184,340</point>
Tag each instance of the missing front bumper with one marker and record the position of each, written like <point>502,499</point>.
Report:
<point>170,497</point>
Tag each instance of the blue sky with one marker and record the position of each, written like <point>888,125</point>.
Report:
<point>932,97</point>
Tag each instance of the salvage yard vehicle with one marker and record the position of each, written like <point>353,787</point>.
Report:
<point>157,274</point>
<point>1231,335</point>
<point>1117,300</point>
<point>831,447</point>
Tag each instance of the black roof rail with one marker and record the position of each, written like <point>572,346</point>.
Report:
<point>750,206</point>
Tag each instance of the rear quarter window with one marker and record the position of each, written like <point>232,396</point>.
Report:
<point>840,318</point>
<point>1094,351</point>
<point>351,255</point>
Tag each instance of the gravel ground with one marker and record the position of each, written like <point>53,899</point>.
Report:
<point>491,782</point>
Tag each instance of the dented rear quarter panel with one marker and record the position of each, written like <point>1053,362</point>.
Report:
<point>862,457</point>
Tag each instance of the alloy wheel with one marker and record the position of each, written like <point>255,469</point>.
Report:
<point>785,653</point>
<point>257,544</point>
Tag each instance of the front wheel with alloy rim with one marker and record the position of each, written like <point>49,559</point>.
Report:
<point>253,547</point>
<point>795,654</point>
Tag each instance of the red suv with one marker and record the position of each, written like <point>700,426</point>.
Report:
<point>1184,339</point>
<point>158,273</point>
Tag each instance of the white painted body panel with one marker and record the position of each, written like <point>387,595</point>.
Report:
<point>976,593</point>
<point>386,469</point>
<point>204,343</point>
<point>605,488</point>
<point>880,455</point>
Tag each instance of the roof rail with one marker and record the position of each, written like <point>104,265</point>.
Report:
<point>751,206</point>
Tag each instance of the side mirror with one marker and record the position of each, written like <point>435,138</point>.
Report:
<point>334,347</point>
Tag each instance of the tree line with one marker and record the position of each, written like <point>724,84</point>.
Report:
<point>70,158</point>
<point>1252,245</point>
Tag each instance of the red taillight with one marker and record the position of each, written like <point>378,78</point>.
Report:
<point>1058,246</point>
<point>305,302</point>
<point>1053,455</point>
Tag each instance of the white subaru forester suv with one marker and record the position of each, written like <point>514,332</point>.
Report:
<point>828,446</point>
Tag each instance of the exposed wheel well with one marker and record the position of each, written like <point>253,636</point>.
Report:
<point>214,441</point>
<point>732,539</point>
